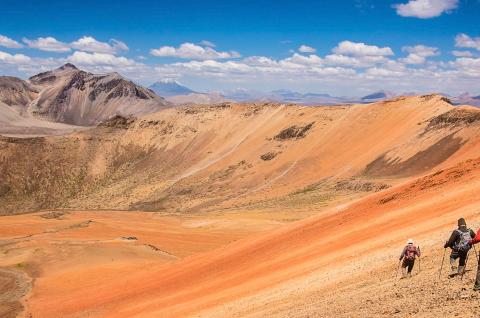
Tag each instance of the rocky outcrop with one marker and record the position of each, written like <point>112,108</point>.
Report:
<point>455,118</point>
<point>118,121</point>
<point>16,92</point>
<point>294,132</point>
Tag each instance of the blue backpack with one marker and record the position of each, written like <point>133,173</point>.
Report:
<point>462,243</point>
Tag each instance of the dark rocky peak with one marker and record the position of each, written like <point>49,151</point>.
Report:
<point>68,66</point>
<point>116,86</point>
<point>51,76</point>
<point>43,77</point>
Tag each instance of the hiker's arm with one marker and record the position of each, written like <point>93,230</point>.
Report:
<point>452,240</point>
<point>403,253</point>
<point>476,239</point>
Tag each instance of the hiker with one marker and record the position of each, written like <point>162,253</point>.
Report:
<point>409,253</point>
<point>459,243</point>
<point>473,241</point>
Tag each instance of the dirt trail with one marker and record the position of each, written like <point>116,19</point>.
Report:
<point>368,287</point>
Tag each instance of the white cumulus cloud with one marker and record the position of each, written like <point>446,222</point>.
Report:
<point>306,49</point>
<point>84,58</point>
<point>85,44</point>
<point>462,53</point>
<point>467,66</point>
<point>49,44</point>
<point>90,44</point>
<point>13,58</point>
<point>304,60</point>
<point>465,41</point>
<point>425,9</point>
<point>355,61</point>
<point>361,49</point>
<point>418,54</point>
<point>193,51</point>
<point>10,43</point>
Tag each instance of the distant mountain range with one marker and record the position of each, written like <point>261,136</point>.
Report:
<point>179,94</point>
<point>283,96</point>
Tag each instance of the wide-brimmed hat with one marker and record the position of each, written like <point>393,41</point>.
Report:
<point>410,241</point>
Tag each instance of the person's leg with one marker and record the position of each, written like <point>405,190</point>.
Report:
<point>410,266</point>
<point>461,264</point>
<point>404,268</point>
<point>453,267</point>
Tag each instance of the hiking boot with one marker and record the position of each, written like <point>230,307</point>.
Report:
<point>454,271</point>
<point>461,269</point>
<point>404,273</point>
<point>409,275</point>
<point>476,288</point>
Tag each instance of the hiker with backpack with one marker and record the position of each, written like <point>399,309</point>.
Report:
<point>473,241</point>
<point>409,253</point>
<point>459,243</point>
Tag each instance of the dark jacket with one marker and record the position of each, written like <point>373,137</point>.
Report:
<point>455,237</point>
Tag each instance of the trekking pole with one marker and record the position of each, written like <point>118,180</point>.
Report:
<point>419,260</point>
<point>465,267</point>
<point>443,260</point>
<point>398,269</point>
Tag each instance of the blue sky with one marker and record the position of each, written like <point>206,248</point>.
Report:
<point>339,47</point>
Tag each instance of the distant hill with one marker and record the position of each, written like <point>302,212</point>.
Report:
<point>284,96</point>
<point>168,88</point>
<point>466,99</point>
<point>197,98</point>
<point>378,96</point>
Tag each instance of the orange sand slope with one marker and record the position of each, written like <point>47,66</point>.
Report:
<point>223,185</point>
<point>209,157</point>
<point>80,249</point>
<point>257,265</point>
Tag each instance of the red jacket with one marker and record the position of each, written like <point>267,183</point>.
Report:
<point>476,239</point>
<point>404,252</point>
